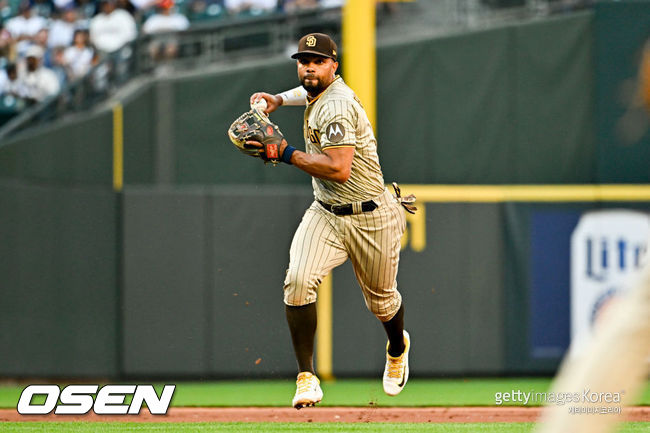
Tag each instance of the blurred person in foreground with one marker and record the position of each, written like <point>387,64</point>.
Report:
<point>614,362</point>
<point>164,22</point>
<point>616,359</point>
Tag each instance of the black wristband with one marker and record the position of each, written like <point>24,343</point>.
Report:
<point>286,155</point>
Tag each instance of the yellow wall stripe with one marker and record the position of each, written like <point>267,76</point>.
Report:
<point>531,193</point>
<point>324,330</point>
<point>118,147</point>
<point>359,68</point>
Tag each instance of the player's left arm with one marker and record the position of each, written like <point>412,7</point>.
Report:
<point>333,164</point>
<point>337,141</point>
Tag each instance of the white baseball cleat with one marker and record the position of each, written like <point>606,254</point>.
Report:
<point>396,372</point>
<point>308,391</point>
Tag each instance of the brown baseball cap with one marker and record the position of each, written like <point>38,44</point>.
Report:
<point>316,43</point>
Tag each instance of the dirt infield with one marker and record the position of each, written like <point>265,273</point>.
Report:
<point>322,414</point>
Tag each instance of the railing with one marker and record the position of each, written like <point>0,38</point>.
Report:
<point>267,36</point>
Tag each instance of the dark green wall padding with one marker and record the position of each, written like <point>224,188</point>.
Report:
<point>59,312</point>
<point>621,127</point>
<point>203,278</point>
<point>483,107</point>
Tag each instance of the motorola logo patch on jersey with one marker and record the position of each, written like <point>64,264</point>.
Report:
<point>335,132</point>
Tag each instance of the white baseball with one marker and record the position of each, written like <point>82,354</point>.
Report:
<point>259,105</point>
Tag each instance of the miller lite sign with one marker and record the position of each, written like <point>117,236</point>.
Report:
<point>607,251</point>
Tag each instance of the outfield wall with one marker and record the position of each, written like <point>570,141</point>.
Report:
<point>213,261</point>
<point>59,297</point>
<point>187,282</point>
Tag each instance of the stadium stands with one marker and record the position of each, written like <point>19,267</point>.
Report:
<point>91,62</point>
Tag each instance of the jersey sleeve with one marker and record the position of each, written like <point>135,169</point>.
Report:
<point>295,96</point>
<point>338,119</point>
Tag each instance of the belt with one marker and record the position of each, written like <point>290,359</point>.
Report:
<point>348,209</point>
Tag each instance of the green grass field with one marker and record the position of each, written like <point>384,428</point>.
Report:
<point>357,392</point>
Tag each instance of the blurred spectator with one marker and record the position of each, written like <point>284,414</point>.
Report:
<point>250,7</point>
<point>62,29</point>
<point>143,5</point>
<point>9,82</point>
<point>86,11</point>
<point>63,4</point>
<point>24,26</point>
<point>111,29</point>
<point>43,8</point>
<point>201,10</point>
<point>58,66</point>
<point>40,39</point>
<point>6,11</point>
<point>166,20</point>
<point>38,82</point>
<point>126,5</point>
<point>80,57</point>
<point>6,43</point>
<point>291,6</point>
<point>326,4</point>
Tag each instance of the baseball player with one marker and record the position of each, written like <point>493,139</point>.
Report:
<point>353,215</point>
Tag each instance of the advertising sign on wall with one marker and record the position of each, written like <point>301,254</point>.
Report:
<point>607,249</point>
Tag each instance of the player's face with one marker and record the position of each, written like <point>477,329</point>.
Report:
<point>316,73</point>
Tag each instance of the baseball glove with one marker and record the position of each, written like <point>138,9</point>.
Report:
<point>254,125</point>
<point>407,201</point>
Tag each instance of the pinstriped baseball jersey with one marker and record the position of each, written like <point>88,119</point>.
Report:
<point>323,240</point>
<point>337,119</point>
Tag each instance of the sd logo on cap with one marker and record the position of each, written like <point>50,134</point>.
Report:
<point>318,44</point>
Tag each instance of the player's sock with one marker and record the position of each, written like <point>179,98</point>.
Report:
<point>395,331</point>
<point>302,325</point>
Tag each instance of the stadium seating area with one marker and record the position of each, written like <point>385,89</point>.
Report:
<point>59,56</point>
<point>48,45</point>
